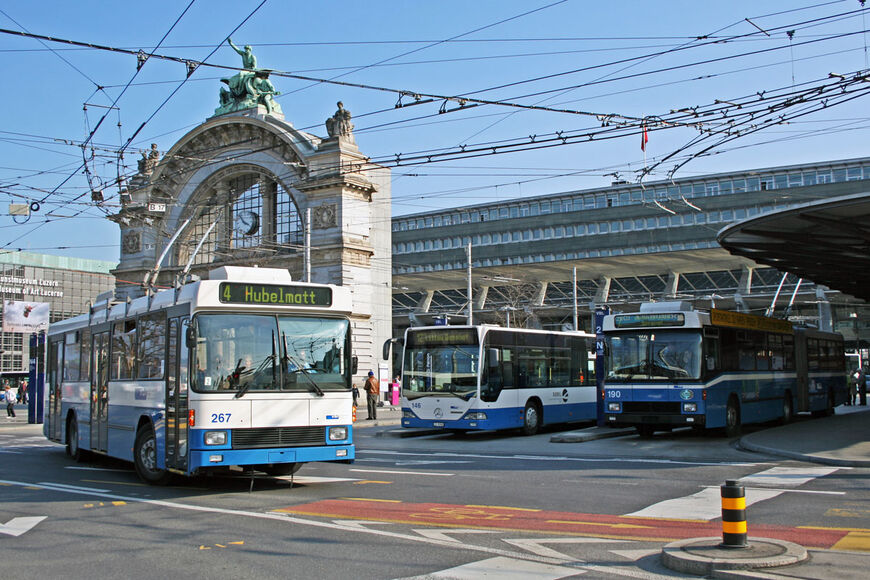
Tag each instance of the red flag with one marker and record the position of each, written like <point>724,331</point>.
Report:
<point>643,137</point>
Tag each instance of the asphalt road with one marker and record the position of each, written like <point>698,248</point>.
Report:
<point>429,506</point>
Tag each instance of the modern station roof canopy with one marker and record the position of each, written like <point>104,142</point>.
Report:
<point>827,242</point>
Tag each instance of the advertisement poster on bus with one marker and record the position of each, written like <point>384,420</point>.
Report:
<point>26,317</point>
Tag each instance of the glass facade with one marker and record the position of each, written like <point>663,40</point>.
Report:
<point>67,284</point>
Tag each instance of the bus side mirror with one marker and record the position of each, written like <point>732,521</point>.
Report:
<point>388,348</point>
<point>190,337</point>
<point>354,365</point>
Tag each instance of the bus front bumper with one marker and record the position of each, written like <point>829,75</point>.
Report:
<point>632,420</point>
<point>242,457</point>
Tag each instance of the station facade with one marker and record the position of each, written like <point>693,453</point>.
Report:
<point>629,243</point>
<point>68,285</point>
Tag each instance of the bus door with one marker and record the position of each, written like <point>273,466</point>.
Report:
<point>177,364</point>
<point>55,372</point>
<point>100,393</point>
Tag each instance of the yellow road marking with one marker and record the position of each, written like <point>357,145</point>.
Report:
<point>237,543</point>
<point>367,481</point>
<point>499,507</point>
<point>119,503</point>
<point>854,542</point>
<point>205,548</point>
<point>220,545</point>
<point>861,530</point>
<point>597,524</point>
<point>847,513</point>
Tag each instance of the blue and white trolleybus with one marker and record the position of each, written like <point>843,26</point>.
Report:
<point>488,377</point>
<point>669,365</point>
<point>247,368</point>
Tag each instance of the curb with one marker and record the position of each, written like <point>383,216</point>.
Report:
<point>741,443</point>
<point>703,556</point>
<point>581,437</point>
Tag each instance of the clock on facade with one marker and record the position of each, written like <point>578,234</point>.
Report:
<point>247,222</point>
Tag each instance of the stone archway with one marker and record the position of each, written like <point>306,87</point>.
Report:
<point>254,176</point>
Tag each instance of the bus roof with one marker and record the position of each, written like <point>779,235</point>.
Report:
<point>239,289</point>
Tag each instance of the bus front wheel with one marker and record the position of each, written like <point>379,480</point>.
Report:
<point>732,418</point>
<point>531,418</point>
<point>145,458</point>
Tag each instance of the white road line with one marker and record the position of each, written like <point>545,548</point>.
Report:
<point>503,569</point>
<point>403,472</point>
<point>564,458</point>
<point>98,469</point>
<point>66,487</point>
<point>704,505</point>
<point>787,476</point>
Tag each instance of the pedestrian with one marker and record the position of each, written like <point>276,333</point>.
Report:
<point>9,398</point>
<point>372,389</point>
<point>862,388</point>
<point>355,392</point>
<point>854,382</point>
<point>22,393</point>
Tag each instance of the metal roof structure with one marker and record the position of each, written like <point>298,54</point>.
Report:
<point>827,242</point>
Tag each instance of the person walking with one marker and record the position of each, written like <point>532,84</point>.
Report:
<point>372,389</point>
<point>355,393</point>
<point>9,398</point>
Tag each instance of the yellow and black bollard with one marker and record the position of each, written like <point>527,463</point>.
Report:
<point>733,515</point>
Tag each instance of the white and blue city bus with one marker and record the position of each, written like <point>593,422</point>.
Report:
<point>247,368</point>
<point>669,365</point>
<point>488,377</point>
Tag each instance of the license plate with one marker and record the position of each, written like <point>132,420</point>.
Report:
<point>438,424</point>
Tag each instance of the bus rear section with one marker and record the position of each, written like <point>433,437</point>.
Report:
<point>669,365</point>
<point>486,377</point>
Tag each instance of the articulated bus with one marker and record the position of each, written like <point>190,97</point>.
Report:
<point>669,365</point>
<point>487,377</point>
<point>247,368</point>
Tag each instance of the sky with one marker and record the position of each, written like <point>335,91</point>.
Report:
<point>590,76</point>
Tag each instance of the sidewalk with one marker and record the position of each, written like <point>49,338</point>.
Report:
<point>843,439</point>
<point>388,415</point>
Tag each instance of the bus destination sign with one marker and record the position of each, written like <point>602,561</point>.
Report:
<point>442,337</point>
<point>749,321</point>
<point>272,295</point>
<point>649,320</point>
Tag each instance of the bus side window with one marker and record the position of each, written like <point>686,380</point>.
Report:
<point>491,382</point>
<point>711,354</point>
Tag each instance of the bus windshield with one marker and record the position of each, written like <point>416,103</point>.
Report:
<point>257,352</point>
<point>663,355</point>
<point>441,362</point>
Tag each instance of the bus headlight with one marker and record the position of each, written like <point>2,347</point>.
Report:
<point>614,407</point>
<point>690,407</point>
<point>337,433</point>
<point>475,416</point>
<point>215,438</point>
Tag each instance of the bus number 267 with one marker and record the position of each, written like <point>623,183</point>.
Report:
<point>220,417</point>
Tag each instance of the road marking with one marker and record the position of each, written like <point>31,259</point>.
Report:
<point>618,526</point>
<point>635,555</point>
<point>361,524</point>
<point>98,469</point>
<point>303,479</point>
<point>17,526</point>
<point>536,545</point>
<point>703,505</point>
<point>130,483</point>
<point>403,472</point>
<point>501,507</point>
<point>66,487</point>
<point>440,535</point>
<point>427,462</point>
<point>564,458</point>
<point>854,542</point>
<point>787,476</point>
<point>504,569</point>
<point>368,481</point>
<point>706,504</point>
<point>847,512</point>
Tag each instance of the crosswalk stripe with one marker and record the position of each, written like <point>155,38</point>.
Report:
<point>504,569</point>
<point>706,504</point>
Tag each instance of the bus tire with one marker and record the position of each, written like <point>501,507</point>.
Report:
<point>72,440</point>
<point>281,469</point>
<point>787,409</point>
<point>145,457</point>
<point>531,418</point>
<point>645,431</point>
<point>732,418</point>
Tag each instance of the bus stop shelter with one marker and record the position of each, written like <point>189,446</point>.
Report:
<point>827,242</point>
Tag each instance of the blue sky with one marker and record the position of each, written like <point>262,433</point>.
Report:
<point>442,48</point>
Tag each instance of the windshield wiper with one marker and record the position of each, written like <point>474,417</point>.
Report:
<point>299,368</point>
